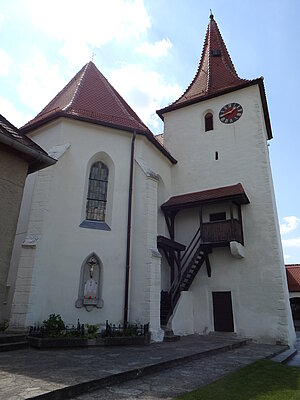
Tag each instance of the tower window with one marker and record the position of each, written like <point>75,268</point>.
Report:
<point>216,53</point>
<point>208,122</point>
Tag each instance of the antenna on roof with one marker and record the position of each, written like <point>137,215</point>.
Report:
<point>211,14</point>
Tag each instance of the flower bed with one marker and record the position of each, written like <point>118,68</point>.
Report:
<point>54,334</point>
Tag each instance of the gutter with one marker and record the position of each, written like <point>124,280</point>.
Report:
<point>30,128</point>
<point>126,301</point>
<point>36,155</point>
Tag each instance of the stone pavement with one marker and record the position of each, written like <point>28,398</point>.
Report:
<point>60,374</point>
<point>295,361</point>
<point>178,380</point>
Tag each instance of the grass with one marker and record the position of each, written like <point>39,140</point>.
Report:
<point>263,380</point>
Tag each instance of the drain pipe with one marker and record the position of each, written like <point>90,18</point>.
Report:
<point>129,230</point>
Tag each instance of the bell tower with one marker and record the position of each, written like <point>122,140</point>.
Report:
<point>222,188</point>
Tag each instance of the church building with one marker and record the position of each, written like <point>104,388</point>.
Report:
<point>178,230</point>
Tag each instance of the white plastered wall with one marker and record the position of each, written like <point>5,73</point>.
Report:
<point>55,246</point>
<point>257,282</point>
<point>56,213</point>
<point>151,168</point>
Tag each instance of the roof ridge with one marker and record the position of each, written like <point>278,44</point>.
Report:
<point>79,85</point>
<point>62,91</point>
<point>121,102</point>
<point>198,69</point>
<point>230,67</point>
<point>209,69</point>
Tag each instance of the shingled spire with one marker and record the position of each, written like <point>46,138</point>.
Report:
<point>215,74</point>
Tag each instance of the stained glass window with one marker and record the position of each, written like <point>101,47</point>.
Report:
<point>97,192</point>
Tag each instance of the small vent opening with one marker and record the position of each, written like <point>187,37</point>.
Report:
<point>216,53</point>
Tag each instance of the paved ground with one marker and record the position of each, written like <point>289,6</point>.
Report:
<point>175,381</point>
<point>28,373</point>
<point>295,361</point>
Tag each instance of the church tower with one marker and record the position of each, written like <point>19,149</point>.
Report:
<point>223,268</point>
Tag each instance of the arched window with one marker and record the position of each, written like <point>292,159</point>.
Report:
<point>209,126</point>
<point>97,192</point>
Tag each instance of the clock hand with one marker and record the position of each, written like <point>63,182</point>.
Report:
<point>229,112</point>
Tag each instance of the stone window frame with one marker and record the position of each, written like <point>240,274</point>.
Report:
<point>105,225</point>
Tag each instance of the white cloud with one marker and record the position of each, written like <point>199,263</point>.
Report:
<point>295,242</point>
<point>5,62</point>
<point>287,256</point>
<point>39,82</point>
<point>156,49</point>
<point>145,91</point>
<point>291,223</point>
<point>14,116</point>
<point>82,27</point>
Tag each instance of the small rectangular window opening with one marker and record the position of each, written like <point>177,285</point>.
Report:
<point>216,53</point>
<point>208,122</point>
<point>220,216</point>
<point>216,155</point>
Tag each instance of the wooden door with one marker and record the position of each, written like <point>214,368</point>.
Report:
<point>223,315</point>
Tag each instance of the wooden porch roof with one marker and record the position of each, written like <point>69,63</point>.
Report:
<point>235,193</point>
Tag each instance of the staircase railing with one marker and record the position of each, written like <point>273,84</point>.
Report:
<point>186,260</point>
<point>190,249</point>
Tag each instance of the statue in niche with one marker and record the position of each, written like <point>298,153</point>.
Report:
<point>89,285</point>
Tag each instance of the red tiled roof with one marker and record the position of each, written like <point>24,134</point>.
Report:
<point>216,75</point>
<point>90,97</point>
<point>215,72</point>
<point>224,193</point>
<point>293,277</point>
<point>11,136</point>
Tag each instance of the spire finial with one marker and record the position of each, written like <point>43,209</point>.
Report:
<point>211,15</point>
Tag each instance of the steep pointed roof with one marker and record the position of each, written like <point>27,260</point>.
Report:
<point>215,75</point>
<point>91,98</point>
<point>90,95</point>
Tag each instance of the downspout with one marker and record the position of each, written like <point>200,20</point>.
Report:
<point>129,230</point>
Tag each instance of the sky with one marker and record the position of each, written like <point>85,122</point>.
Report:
<point>149,50</point>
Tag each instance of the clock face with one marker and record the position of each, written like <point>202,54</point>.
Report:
<point>230,113</point>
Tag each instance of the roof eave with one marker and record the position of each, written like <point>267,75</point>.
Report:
<point>36,160</point>
<point>240,198</point>
<point>61,114</point>
<point>258,81</point>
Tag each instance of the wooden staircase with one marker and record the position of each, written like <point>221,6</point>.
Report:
<point>191,262</point>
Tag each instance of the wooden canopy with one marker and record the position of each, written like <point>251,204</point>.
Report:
<point>234,193</point>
